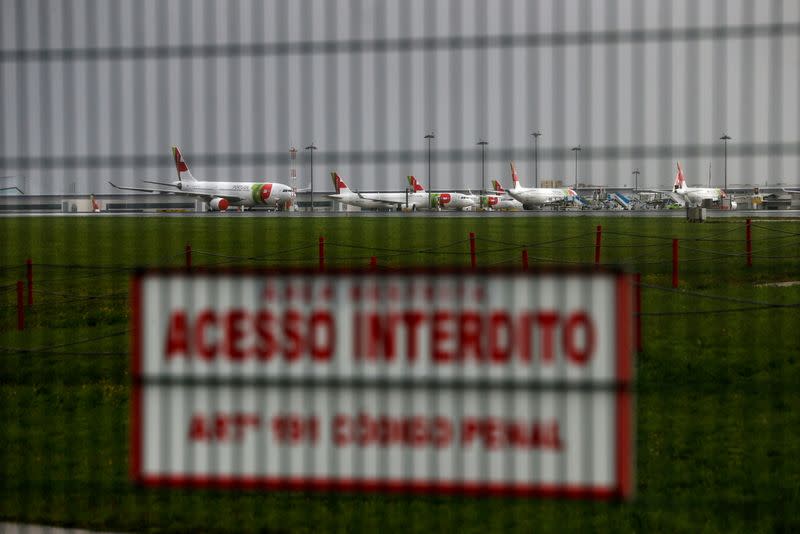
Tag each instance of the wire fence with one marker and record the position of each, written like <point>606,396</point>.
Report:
<point>336,254</point>
<point>382,257</point>
<point>596,95</point>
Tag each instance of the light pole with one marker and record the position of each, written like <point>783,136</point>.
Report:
<point>636,179</point>
<point>725,137</point>
<point>312,148</point>
<point>536,158</point>
<point>483,144</point>
<point>576,149</point>
<point>429,137</point>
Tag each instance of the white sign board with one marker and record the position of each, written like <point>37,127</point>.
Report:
<point>498,382</point>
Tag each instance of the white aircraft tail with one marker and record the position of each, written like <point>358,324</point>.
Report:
<point>514,177</point>
<point>415,185</point>
<point>184,175</point>
<point>339,185</point>
<point>680,180</point>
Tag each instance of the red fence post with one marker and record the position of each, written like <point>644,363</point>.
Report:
<point>20,306</point>
<point>29,274</point>
<point>373,263</point>
<point>525,258</point>
<point>637,281</point>
<point>749,238</point>
<point>472,249</point>
<point>188,254</point>
<point>597,240</point>
<point>321,253</point>
<point>674,263</point>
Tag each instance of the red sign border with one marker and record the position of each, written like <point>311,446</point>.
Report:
<point>625,462</point>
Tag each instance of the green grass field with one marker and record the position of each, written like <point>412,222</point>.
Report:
<point>717,412</point>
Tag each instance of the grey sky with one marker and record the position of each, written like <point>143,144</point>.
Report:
<point>638,102</point>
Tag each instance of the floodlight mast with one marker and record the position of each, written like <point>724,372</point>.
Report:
<point>725,138</point>
<point>536,136</point>
<point>429,137</point>
<point>312,148</point>
<point>576,149</point>
<point>482,143</point>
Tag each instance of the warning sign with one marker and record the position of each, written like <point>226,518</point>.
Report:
<point>498,382</point>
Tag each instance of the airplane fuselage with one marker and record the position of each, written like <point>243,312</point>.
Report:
<point>419,200</point>
<point>694,196</point>
<point>500,202</point>
<point>451,201</point>
<point>249,194</point>
<point>382,200</point>
<point>539,196</point>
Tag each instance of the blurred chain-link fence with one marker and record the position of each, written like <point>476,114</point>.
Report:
<point>95,91</point>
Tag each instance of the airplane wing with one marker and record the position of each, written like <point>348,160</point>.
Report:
<point>204,196</point>
<point>662,191</point>
<point>738,190</point>
<point>384,201</point>
<point>671,194</point>
<point>678,199</point>
<point>158,183</point>
<point>143,189</point>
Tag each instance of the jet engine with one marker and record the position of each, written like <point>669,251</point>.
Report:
<point>218,204</point>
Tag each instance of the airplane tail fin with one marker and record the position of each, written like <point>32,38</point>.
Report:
<point>338,184</point>
<point>680,180</point>
<point>184,175</point>
<point>514,176</point>
<point>415,185</point>
<point>497,187</point>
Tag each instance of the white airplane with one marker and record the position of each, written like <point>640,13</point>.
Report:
<point>536,197</point>
<point>221,195</point>
<point>411,200</point>
<point>445,201</point>
<point>500,200</point>
<point>694,196</point>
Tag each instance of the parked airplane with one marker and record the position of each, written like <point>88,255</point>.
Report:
<point>412,200</point>
<point>446,201</point>
<point>501,200</point>
<point>536,197</point>
<point>221,195</point>
<point>694,196</point>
